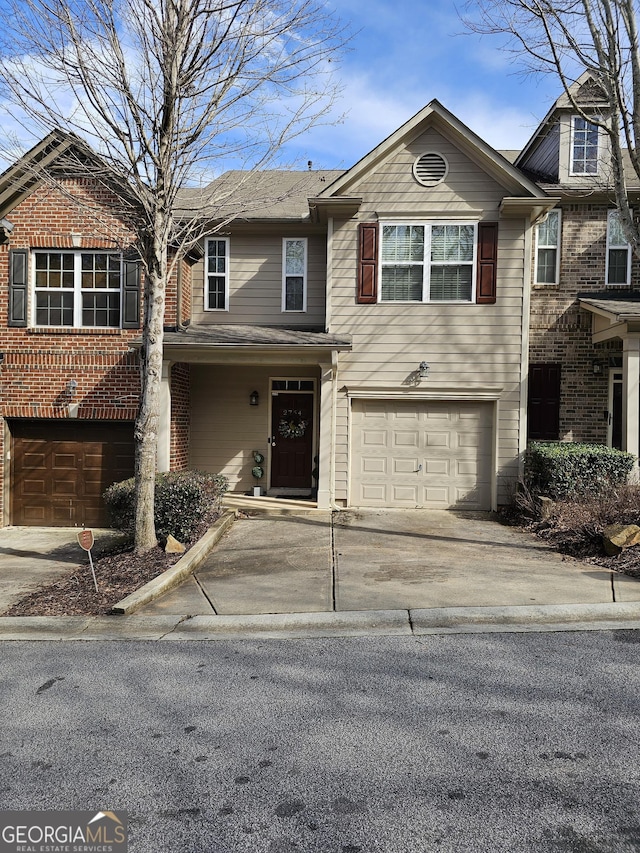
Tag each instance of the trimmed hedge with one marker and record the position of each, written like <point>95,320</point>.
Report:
<point>183,499</point>
<point>562,469</point>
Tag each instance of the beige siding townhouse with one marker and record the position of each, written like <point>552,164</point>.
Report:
<point>367,332</point>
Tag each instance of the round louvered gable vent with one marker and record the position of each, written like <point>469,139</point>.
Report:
<point>430,169</point>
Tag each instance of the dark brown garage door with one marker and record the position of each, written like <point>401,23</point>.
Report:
<point>60,470</point>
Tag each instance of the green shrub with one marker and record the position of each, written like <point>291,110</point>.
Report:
<point>183,499</point>
<point>560,469</point>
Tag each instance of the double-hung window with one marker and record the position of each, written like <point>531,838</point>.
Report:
<point>548,249</point>
<point>428,262</point>
<point>618,252</point>
<point>584,147</point>
<point>78,289</point>
<point>216,274</point>
<point>294,274</point>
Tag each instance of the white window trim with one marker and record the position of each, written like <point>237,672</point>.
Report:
<point>224,240</point>
<point>426,265</point>
<point>572,170</point>
<point>626,246</point>
<point>77,287</point>
<point>305,242</point>
<point>556,279</point>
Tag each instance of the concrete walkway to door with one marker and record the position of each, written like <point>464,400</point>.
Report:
<point>383,560</point>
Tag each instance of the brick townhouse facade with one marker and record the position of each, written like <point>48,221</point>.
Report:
<point>585,294</point>
<point>69,366</point>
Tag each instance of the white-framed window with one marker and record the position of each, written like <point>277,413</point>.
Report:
<point>428,262</point>
<point>294,274</point>
<point>548,249</point>
<point>77,289</point>
<point>618,252</point>
<point>216,274</point>
<point>584,147</point>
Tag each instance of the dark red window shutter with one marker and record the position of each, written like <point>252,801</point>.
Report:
<point>487,263</point>
<point>367,263</point>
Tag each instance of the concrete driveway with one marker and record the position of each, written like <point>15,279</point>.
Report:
<point>381,560</point>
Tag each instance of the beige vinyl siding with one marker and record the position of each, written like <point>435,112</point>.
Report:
<point>391,187</point>
<point>225,429</point>
<point>255,283</point>
<point>466,345</point>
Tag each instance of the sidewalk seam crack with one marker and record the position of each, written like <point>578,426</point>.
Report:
<point>179,622</point>
<point>202,589</point>
<point>613,588</point>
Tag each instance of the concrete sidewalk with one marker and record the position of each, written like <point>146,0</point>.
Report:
<point>375,560</point>
<point>307,573</point>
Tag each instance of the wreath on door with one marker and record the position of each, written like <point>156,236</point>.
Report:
<point>291,424</point>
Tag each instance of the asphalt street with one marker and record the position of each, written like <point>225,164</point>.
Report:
<point>491,742</point>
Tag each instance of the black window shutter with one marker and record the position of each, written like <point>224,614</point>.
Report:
<point>367,263</point>
<point>18,287</point>
<point>486,281</point>
<point>131,296</point>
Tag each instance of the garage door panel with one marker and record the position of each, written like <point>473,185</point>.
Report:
<point>32,486</point>
<point>374,438</point>
<point>406,439</point>
<point>374,465</point>
<point>67,486</point>
<point>405,494</point>
<point>436,496</point>
<point>375,493</point>
<point>405,466</point>
<point>61,469</point>
<point>437,466</point>
<point>437,439</point>
<point>451,468</point>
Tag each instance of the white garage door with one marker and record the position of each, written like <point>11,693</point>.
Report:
<point>421,454</point>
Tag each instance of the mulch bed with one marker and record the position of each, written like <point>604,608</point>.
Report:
<point>575,528</point>
<point>118,574</point>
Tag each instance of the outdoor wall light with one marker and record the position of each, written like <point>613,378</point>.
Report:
<point>254,398</point>
<point>423,370</point>
<point>597,367</point>
<point>72,386</point>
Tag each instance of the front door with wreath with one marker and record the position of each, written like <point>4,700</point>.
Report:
<point>292,441</point>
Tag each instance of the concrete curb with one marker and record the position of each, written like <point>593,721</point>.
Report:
<point>360,623</point>
<point>562,617</point>
<point>185,566</point>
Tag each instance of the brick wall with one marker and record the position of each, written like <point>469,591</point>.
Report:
<point>180,416</point>
<point>37,365</point>
<point>560,330</point>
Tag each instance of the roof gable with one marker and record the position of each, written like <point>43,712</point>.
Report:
<point>544,144</point>
<point>26,174</point>
<point>437,116</point>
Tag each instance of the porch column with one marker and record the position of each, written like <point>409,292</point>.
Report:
<point>631,397</point>
<point>326,438</point>
<point>164,421</point>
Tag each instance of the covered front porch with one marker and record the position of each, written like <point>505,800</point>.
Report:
<point>261,407</point>
<point>619,319</point>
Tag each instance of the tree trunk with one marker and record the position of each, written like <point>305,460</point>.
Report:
<point>147,422</point>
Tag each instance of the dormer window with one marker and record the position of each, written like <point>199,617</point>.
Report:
<point>584,147</point>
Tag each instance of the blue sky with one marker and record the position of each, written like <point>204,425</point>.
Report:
<point>405,53</point>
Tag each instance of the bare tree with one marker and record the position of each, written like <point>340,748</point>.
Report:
<point>164,90</point>
<point>567,38</point>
